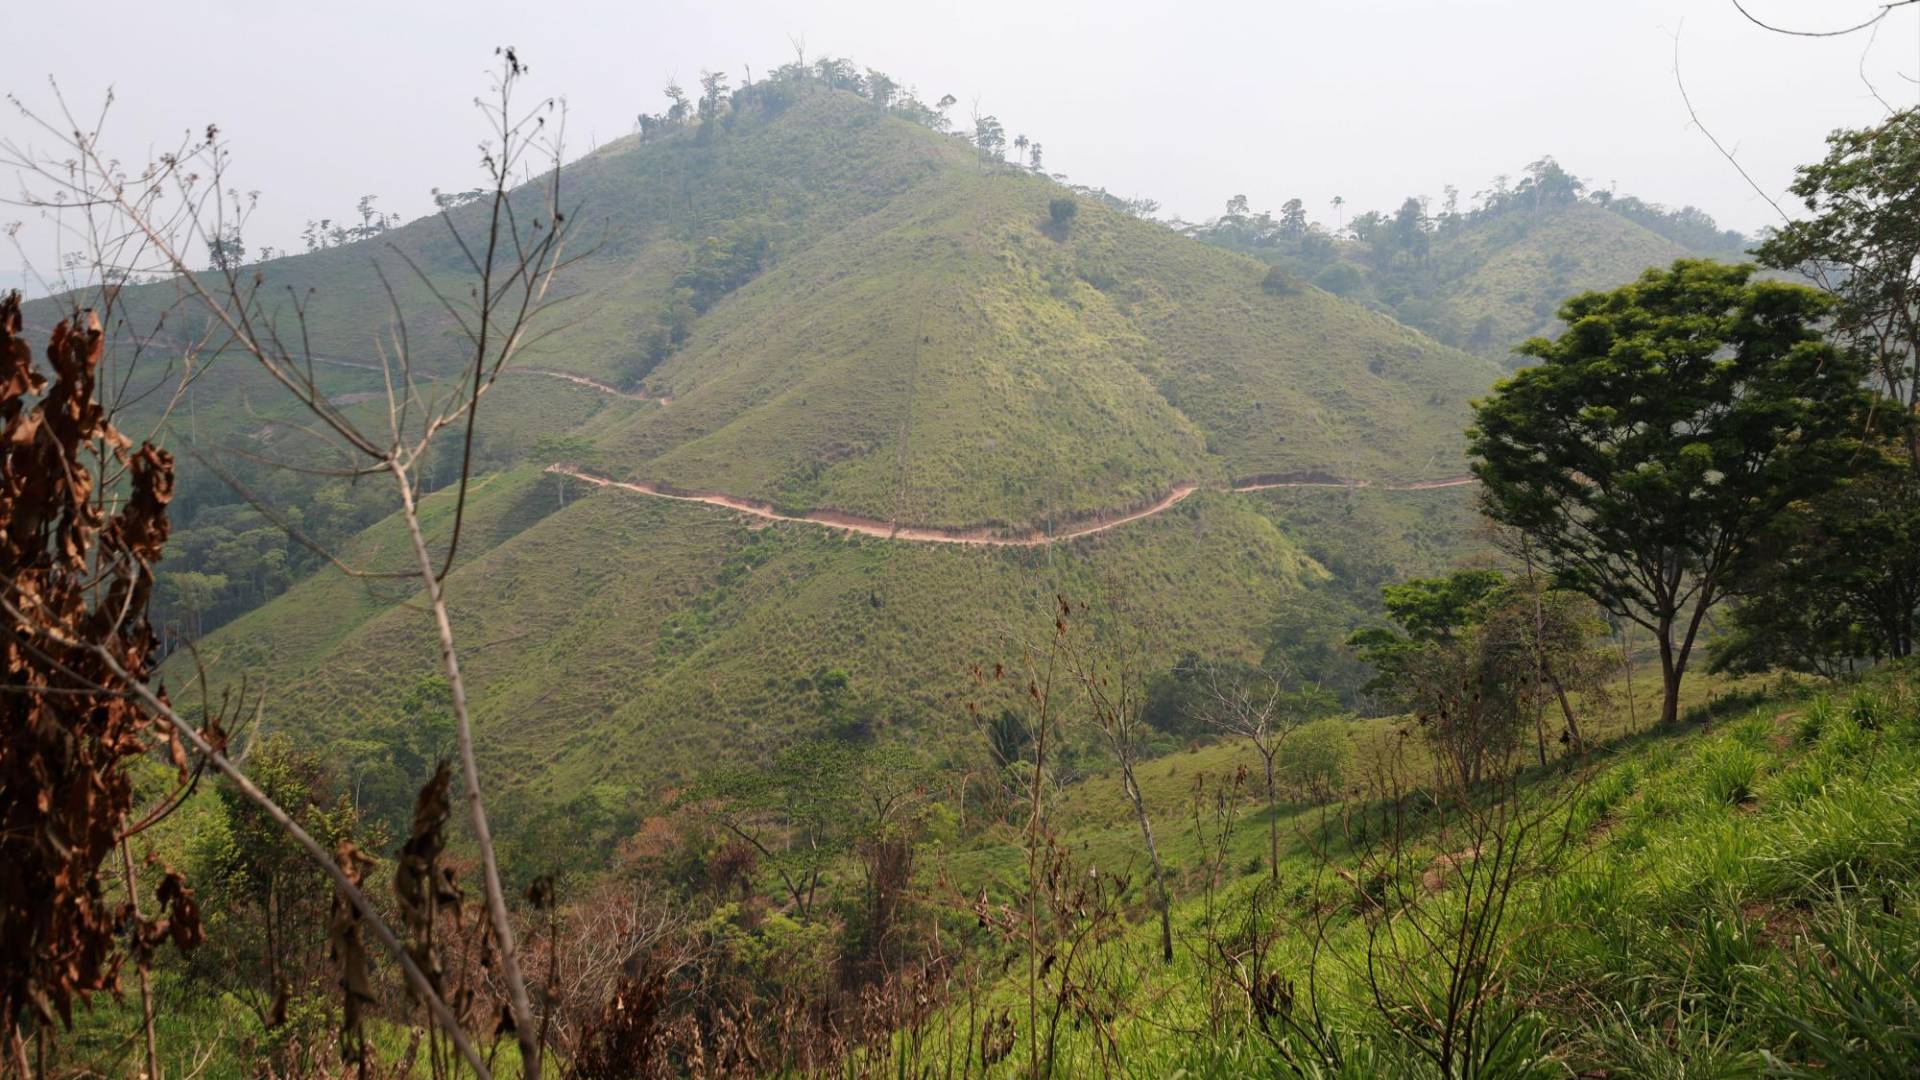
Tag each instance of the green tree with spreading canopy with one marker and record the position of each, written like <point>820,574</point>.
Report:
<point>1862,241</point>
<point>1661,433</point>
<point>1475,655</point>
<point>1841,581</point>
<point>990,136</point>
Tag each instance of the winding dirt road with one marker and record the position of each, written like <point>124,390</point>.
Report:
<point>1418,485</point>
<point>591,384</point>
<point>977,537</point>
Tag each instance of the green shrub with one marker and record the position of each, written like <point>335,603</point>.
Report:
<point>1339,279</point>
<point>1720,955</point>
<point>1728,771</point>
<point>1573,897</point>
<point>1859,828</point>
<point>1854,1005</point>
<point>1807,779</point>
<point>1679,1044</point>
<point>1845,736</point>
<point>1314,760</point>
<point>1280,283</point>
<point>1814,719</point>
<point>1605,795</point>
<point>1866,709</point>
<point>1752,731</point>
<point>1708,861</point>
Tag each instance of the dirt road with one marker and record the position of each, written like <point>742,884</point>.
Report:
<point>977,537</point>
<point>885,530</point>
<point>1418,485</point>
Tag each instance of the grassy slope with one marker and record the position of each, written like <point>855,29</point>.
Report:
<point>924,346</point>
<point>1684,928</point>
<point>626,641</point>
<point>950,358</point>
<point>941,383</point>
<point>1518,267</point>
<point>1296,383</point>
<point>1371,537</point>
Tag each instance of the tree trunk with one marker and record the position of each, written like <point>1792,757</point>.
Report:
<point>1626,665</point>
<point>507,954</point>
<point>1669,696</point>
<point>1566,709</point>
<point>1539,660</point>
<point>1669,676</point>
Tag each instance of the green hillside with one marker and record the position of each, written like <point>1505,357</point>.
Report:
<point>981,369</point>
<point>911,337</point>
<point>903,332</point>
<point>1734,901</point>
<point>1516,269</point>
<point>627,641</point>
<point>1482,279</point>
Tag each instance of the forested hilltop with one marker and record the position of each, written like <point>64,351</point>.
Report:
<point>797,592</point>
<point>1481,277</point>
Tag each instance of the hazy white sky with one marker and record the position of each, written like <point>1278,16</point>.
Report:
<point>1187,103</point>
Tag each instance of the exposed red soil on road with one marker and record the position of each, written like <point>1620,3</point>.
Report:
<point>979,536</point>
<point>1322,480</point>
<point>886,530</point>
<point>591,384</point>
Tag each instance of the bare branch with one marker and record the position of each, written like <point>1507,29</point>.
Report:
<point>1885,10</point>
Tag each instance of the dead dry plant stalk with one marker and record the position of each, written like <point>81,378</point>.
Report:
<point>1106,668</point>
<point>1437,868</point>
<point>146,989</point>
<point>1258,709</point>
<point>150,223</point>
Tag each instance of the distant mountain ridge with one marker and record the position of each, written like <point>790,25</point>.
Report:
<point>1487,278</point>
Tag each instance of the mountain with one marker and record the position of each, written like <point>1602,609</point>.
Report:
<point>816,307</point>
<point>1488,278</point>
<point>1516,268</point>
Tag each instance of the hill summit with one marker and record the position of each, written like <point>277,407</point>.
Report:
<point>851,311</point>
